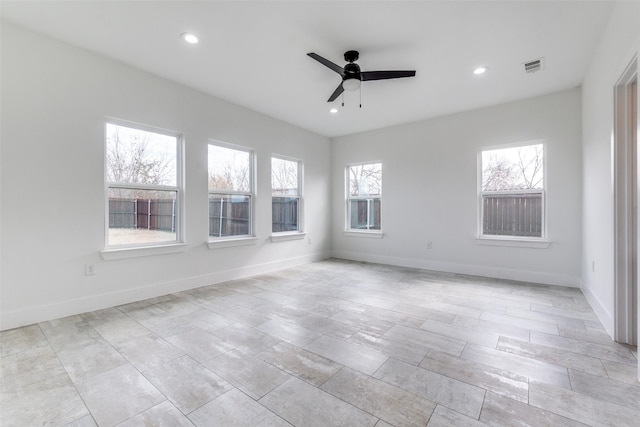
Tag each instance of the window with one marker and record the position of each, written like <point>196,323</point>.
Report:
<point>230,191</point>
<point>512,192</point>
<point>364,189</point>
<point>143,180</point>
<point>285,188</point>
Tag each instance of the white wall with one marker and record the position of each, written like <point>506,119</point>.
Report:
<point>619,42</point>
<point>55,99</point>
<point>430,190</point>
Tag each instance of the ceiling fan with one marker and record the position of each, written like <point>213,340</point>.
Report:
<point>351,74</point>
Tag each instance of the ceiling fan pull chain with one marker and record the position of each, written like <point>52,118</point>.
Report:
<point>360,96</point>
<point>343,99</point>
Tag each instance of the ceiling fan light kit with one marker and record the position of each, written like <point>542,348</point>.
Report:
<point>352,76</point>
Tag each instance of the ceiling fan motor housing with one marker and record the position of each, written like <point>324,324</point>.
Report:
<point>351,71</point>
<point>351,55</point>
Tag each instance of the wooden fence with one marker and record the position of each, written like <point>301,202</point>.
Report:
<point>512,214</point>
<point>365,214</point>
<point>229,216</point>
<point>284,214</point>
<point>150,214</point>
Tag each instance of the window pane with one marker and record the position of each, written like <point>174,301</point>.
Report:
<point>365,180</point>
<point>284,176</point>
<point>284,214</point>
<point>136,156</point>
<point>141,216</point>
<point>512,215</point>
<point>518,168</point>
<point>229,169</point>
<point>229,215</point>
<point>364,214</point>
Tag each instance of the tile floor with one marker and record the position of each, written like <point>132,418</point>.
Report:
<point>333,343</point>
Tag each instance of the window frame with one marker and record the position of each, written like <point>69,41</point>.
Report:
<point>143,249</point>
<point>512,240</point>
<point>368,232</point>
<point>250,237</point>
<point>288,234</point>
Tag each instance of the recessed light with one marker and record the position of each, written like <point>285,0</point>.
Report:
<point>189,38</point>
<point>333,110</point>
<point>480,70</point>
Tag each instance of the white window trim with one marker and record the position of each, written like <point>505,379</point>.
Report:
<point>154,248</point>
<point>355,232</point>
<point>232,241</point>
<point>300,232</point>
<point>285,236</point>
<point>369,234</point>
<point>139,251</point>
<point>214,242</point>
<point>541,242</point>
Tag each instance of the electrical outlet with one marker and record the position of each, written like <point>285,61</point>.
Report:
<point>89,269</point>
<point>429,245</point>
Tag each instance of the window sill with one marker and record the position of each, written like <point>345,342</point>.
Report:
<point>283,237</point>
<point>366,234</point>
<point>231,242</point>
<point>513,242</point>
<point>125,253</point>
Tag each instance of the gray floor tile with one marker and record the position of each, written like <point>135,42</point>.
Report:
<point>92,359</point>
<point>250,374</point>
<point>623,394</point>
<point>246,339</point>
<point>615,353</point>
<point>501,329</point>
<point>501,411</point>
<point>454,394</point>
<point>487,339</point>
<point>407,351</point>
<point>552,355</point>
<point>580,407</point>
<point>353,328</point>
<point>52,401</point>
<point>235,408</point>
<point>199,344</point>
<point>302,404</point>
<point>352,355</point>
<point>487,377</point>
<point>148,351</point>
<point>117,395</point>
<point>21,339</point>
<point>534,325</point>
<point>30,366</point>
<point>161,415</point>
<point>289,331</point>
<point>186,383</point>
<point>301,363</point>
<point>387,402</point>
<point>445,417</point>
<point>532,368</point>
<point>427,339</point>
<point>621,372</point>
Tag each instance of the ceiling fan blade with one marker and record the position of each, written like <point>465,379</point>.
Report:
<point>336,93</point>
<point>338,69</point>
<point>382,75</point>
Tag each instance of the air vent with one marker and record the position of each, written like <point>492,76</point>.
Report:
<point>533,65</point>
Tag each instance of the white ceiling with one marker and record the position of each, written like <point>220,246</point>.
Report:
<point>254,53</point>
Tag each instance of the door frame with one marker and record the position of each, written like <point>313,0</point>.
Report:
<point>626,297</point>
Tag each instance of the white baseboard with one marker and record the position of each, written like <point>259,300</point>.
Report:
<point>605,316</point>
<point>473,270</point>
<point>35,314</point>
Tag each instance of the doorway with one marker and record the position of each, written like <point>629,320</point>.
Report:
<point>627,187</point>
